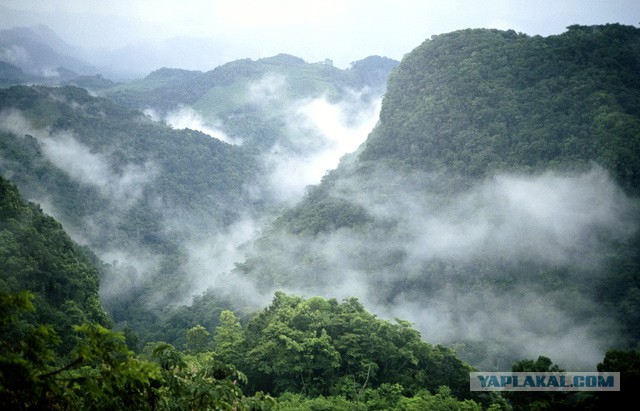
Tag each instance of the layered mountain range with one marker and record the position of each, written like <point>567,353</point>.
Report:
<point>493,203</point>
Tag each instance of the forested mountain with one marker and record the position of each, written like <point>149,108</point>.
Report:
<point>167,207</point>
<point>56,352</point>
<point>250,99</point>
<point>311,353</point>
<point>479,101</point>
<point>493,211</point>
<point>37,255</point>
<point>38,55</point>
<point>222,87</point>
<point>495,205</point>
<point>136,191</point>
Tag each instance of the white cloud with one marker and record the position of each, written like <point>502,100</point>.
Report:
<point>420,266</point>
<point>79,162</point>
<point>15,55</point>
<point>186,117</point>
<point>322,132</point>
<point>268,90</point>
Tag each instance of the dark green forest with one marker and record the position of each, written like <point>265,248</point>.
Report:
<point>463,109</point>
<point>495,204</point>
<point>58,350</point>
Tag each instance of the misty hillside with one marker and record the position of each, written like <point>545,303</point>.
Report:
<point>483,193</point>
<point>163,198</point>
<point>54,342</point>
<point>495,204</point>
<point>37,255</point>
<point>39,56</point>
<point>134,190</point>
<point>168,88</point>
<point>252,100</point>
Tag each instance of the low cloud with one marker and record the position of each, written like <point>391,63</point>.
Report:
<point>187,117</point>
<point>16,55</point>
<point>421,260</point>
<point>269,89</point>
<point>77,160</point>
<point>322,132</point>
<point>550,217</point>
<point>82,164</point>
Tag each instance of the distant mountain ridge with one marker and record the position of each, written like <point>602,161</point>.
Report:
<point>41,54</point>
<point>167,88</point>
<point>143,194</point>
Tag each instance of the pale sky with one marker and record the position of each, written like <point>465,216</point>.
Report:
<point>343,30</point>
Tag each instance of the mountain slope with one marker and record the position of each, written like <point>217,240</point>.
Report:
<point>251,100</point>
<point>476,101</point>
<point>37,255</point>
<point>169,207</point>
<point>168,88</point>
<point>41,54</point>
<point>501,183</point>
<point>136,191</point>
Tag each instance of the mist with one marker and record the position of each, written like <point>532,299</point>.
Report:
<point>550,217</point>
<point>188,118</point>
<point>423,258</point>
<point>423,233</point>
<point>64,151</point>
<point>318,133</point>
<point>420,261</point>
<point>201,35</point>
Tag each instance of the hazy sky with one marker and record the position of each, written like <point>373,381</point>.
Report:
<point>343,30</point>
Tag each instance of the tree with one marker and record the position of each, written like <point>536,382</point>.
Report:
<point>198,339</point>
<point>537,400</point>
<point>627,363</point>
<point>229,338</point>
<point>100,372</point>
<point>318,346</point>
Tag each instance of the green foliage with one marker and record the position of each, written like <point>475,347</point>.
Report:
<point>323,215</point>
<point>222,94</point>
<point>297,402</point>
<point>199,381</point>
<point>322,347</point>
<point>542,364</point>
<point>37,255</point>
<point>165,89</point>
<point>147,174</point>
<point>473,102</point>
<point>464,105</point>
<point>460,109</point>
<point>228,338</point>
<point>99,373</point>
<point>571,400</point>
<point>627,363</point>
<point>441,401</point>
<point>387,397</point>
<point>198,339</point>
